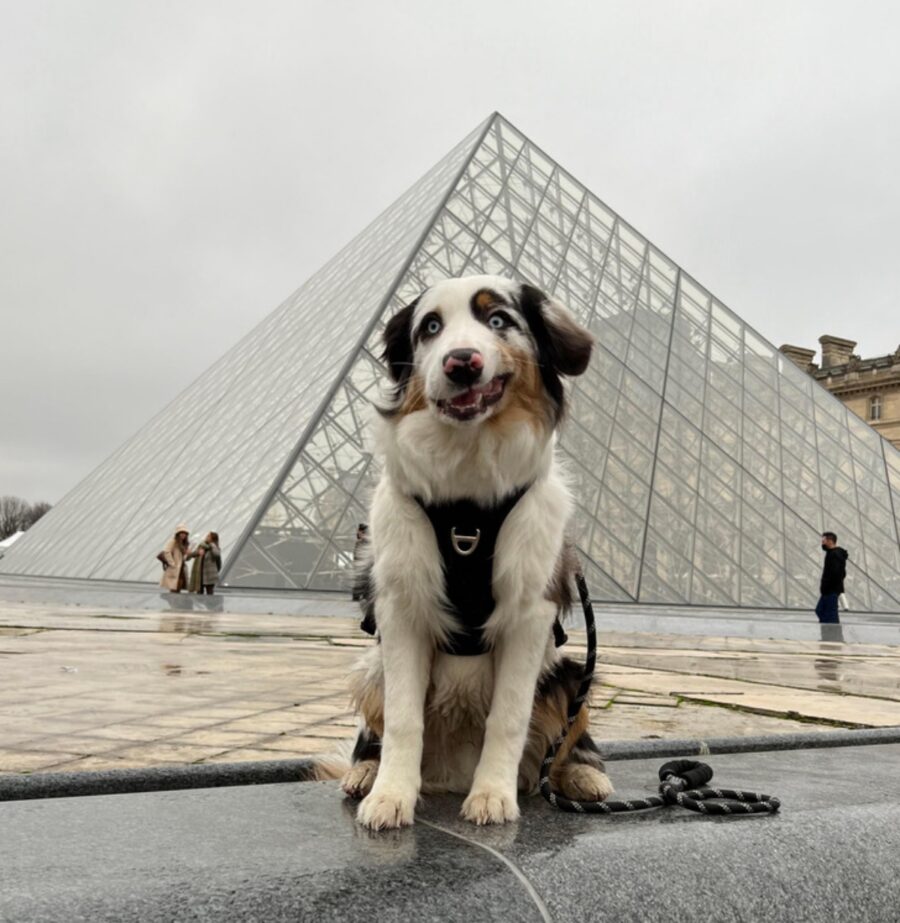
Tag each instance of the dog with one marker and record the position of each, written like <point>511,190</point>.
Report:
<point>468,569</point>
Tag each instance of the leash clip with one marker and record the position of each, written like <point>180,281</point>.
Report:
<point>675,782</point>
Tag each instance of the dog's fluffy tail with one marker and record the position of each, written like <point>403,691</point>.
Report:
<point>332,766</point>
<point>329,769</point>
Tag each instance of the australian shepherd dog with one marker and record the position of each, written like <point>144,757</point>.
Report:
<point>468,568</point>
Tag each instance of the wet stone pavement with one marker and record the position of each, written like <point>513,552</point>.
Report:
<point>86,687</point>
<point>294,852</point>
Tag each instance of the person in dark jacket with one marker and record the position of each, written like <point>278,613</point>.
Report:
<point>207,564</point>
<point>360,577</point>
<point>832,584</point>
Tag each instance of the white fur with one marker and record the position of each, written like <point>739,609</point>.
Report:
<point>482,705</point>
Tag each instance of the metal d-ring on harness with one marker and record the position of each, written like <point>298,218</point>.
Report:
<point>682,782</point>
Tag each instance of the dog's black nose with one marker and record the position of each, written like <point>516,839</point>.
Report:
<point>463,366</point>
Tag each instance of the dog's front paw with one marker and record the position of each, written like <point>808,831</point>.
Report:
<point>584,783</point>
<point>359,778</point>
<point>490,806</point>
<point>385,809</point>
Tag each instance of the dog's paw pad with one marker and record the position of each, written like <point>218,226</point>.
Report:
<point>585,783</point>
<point>359,778</point>
<point>386,810</point>
<point>490,807</point>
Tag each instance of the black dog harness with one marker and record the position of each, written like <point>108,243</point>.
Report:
<point>466,535</point>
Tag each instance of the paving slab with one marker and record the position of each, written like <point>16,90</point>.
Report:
<point>852,711</point>
<point>85,687</point>
<point>294,852</point>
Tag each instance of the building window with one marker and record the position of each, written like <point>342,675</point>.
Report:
<point>875,407</point>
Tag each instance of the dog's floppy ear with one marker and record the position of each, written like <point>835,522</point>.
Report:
<point>398,348</point>
<point>563,346</point>
<point>560,338</point>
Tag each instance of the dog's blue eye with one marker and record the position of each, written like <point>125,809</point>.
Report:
<point>433,326</point>
<point>497,321</point>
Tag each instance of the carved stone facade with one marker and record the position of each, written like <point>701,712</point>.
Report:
<point>869,387</point>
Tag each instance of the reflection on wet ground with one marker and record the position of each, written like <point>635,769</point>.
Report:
<point>859,670</point>
<point>188,624</point>
<point>830,632</point>
<point>91,687</point>
<point>829,670</point>
<point>193,602</point>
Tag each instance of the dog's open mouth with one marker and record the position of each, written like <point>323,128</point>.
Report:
<point>475,401</point>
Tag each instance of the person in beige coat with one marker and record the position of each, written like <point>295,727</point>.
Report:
<point>174,578</point>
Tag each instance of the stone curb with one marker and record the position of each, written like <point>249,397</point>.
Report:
<point>647,749</point>
<point>153,779</point>
<point>214,775</point>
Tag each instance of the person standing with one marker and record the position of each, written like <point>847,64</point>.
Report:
<point>207,564</point>
<point>832,584</point>
<point>173,557</point>
<point>359,549</point>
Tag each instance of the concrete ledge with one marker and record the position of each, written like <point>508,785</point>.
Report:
<point>154,779</point>
<point>217,775</point>
<point>647,749</point>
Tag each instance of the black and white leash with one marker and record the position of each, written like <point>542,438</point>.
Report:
<point>682,782</point>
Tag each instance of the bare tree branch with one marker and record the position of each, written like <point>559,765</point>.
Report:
<point>35,511</point>
<point>17,515</point>
<point>13,511</point>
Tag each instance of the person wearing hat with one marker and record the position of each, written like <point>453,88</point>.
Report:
<point>174,578</point>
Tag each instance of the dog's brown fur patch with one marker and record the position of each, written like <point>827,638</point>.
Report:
<point>483,301</point>
<point>559,590</point>
<point>413,397</point>
<point>367,697</point>
<point>547,720</point>
<point>525,398</point>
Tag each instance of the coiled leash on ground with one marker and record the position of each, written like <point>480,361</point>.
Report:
<point>682,782</point>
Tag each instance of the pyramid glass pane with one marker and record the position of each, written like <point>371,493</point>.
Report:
<point>704,464</point>
<point>212,456</point>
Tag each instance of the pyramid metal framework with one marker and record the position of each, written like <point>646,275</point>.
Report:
<point>705,464</point>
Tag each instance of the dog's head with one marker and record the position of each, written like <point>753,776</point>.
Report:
<point>481,347</point>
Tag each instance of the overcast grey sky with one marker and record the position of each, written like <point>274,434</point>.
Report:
<point>171,171</point>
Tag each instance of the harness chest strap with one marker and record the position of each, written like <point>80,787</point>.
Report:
<point>466,534</point>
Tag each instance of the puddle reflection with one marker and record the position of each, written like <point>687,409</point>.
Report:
<point>829,671</point>
<point>188,624</point>
<point>831,631</point>
<point>193,602</point>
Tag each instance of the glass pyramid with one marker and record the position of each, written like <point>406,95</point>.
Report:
<point>705,463</point>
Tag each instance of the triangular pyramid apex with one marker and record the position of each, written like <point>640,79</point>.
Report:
<point>470,144</point>
<point>705,463</point>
